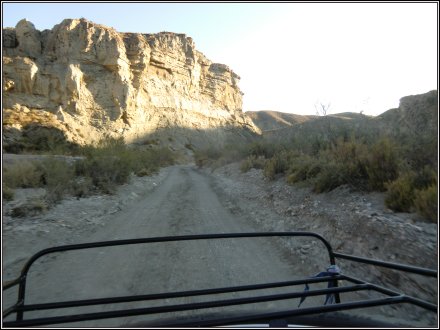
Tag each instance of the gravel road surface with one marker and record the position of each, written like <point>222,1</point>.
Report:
<point>185,200</point>
<point>184,203</point>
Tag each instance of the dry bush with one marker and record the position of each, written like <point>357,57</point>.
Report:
<point>8,193</point>
<point>58,177</point>
<point>382,164</point>
<point>426,202</point>
<point>24,174</point>
<point>31,208</point>
<point>400,193</point>
<point>111,162</point>
<point>252,162</point>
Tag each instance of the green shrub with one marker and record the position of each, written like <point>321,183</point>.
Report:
<point>206,156</point>
<point>252,162</point>
<point>82,187</point>
<point>33,207</point>
<point>58,177</point>
<point>105,171</point>
<point>351,157</point>
<point>111,162</point>
<point>218,156</point>
<point>144,172</point>
<point>108,164</point>
<point>426,202</point>
<point>23,174</point>
<point>425,177</point>
<point>329,178</point>
<point>189,146</point>
<point>303,168</point>
<point>246,164</point>
<point>400,193</point>
<point>276,165</point>
<point>150,159</point>
<point>263,148</point>
<point>382,164</point>
<point>8,193</point>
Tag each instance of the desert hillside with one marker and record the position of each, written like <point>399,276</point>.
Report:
<point>413,127</point>
<point>271,120</point>
<point>417,116</point>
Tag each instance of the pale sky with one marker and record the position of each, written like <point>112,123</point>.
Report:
<point>356,56</point>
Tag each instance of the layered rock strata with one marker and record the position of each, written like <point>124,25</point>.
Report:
<point>91,81</point>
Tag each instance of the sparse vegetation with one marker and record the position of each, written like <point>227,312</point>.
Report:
<point>426,202</point>
<point>8,193</point>
<point>414,191</point>
<point>57,176</point>
<point>382,164</point>
<point>104,167</point>
<point>278,164</point>
<point>111,162</point>
<point>331,155</point>
<point>22,175</point>
<point>189,146</point>
<point>217,156</point>
<point>252,162</point>
<point>400,193</point>
<point>33,207</point>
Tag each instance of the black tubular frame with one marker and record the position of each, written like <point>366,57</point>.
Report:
<point>392,297</point>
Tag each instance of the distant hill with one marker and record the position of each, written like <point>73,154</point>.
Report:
<point>416,116</point>
<point>268,120</point>
<point>413,126</point>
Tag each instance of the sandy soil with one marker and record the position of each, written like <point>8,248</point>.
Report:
<point>183,200</point>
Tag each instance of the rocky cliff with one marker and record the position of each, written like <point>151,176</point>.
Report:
<point>90,81</point>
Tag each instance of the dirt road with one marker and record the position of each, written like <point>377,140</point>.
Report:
<point>182,200</point>
<point>184,203</point>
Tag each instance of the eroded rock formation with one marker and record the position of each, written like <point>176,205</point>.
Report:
<point>92,81</point>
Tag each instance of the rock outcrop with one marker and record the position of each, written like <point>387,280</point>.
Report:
<point>91,81</point>
<point>416,115</point>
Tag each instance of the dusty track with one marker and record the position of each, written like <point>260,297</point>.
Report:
<point>184,203</point>
<point>183,200</point>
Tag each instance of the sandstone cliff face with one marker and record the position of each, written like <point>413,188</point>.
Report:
<point>91,81</point>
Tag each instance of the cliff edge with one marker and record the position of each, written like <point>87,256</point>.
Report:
<point>89,81</point>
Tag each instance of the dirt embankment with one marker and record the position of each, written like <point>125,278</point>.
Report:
<point>353,222</point>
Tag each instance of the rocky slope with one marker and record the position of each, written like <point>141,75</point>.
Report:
<point>416,114</point>
<point>89,81</point>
